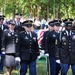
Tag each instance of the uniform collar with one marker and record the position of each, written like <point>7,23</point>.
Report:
<point>11,30</point>
<point>69,32</point>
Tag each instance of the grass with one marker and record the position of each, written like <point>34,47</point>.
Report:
<point>41,69</point>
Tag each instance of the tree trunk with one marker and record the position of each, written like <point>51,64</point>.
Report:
<point>30,8</point>
<point>48,4</point>
<point>67,14</point>
<point>54,10</point>
<point>38,10</point>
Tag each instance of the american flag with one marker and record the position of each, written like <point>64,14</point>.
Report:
<point>40,35</point>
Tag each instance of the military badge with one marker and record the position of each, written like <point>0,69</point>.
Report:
<point>64,43</point>
<point>56,41</point>
<point>54,35</point>
<point>63,38</point>
<point>9,34</point>
<point>34,38</point>
<point>12,33</point>
<point>16,35</point>
<point>64,33</point>
<point>72,33</point>
<point>16,40</point>
<point>26,37</point>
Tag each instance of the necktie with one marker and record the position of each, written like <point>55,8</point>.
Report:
<point>29,34</point>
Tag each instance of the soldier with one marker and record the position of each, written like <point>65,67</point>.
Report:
<point>57,26</point>
<point>50,48</point>
<point>9,46</point>
<point>67,48</point>
<point>45,34</point>
<point>2,28</point>
<point>18,27</point>
<point>28,49</point>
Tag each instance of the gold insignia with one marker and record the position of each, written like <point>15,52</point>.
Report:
<point>64,43</point>
<point>16,40</point>
<point>56,41</point>
<point>63,38</point>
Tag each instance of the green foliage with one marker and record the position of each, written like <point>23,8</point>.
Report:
<point>59,8</point>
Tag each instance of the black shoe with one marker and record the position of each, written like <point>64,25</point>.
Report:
<point>1,72</point>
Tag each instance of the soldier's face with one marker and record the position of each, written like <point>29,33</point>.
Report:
<point>1,21</point>
<point>51,28</point>
<point>56,28</point>
<point>68,28</point>
<point>28,29</point>
<point>17,19</point>
<point>11,26</point>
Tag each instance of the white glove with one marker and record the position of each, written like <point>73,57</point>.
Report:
<point>3,52</point>
<point>58,61</point>
<point>42,52</point>
<point>17,59</point>
<point>47,54</point>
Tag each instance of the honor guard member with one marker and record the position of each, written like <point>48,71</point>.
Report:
<point>45,34</point>
<point>9,47</point>
<point>50,48</point>
<point>28,49</point>
<point>18,27</point>
<point>2,28</point>
<point>57,25</point>
<point>67,48</point>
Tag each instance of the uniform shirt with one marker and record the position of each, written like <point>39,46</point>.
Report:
<point>50,43</point>
<point>28,46</point>
<point>9,41</point>
<point>67,47</point>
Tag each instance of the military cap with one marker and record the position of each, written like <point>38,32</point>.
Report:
<point>28,23</point>
<point>68,19</point>
<point>2,17</point>
<point>51,23</point>
<point>68,22</point>
<point>57,22</point>
<point>18,15</point>
<point>12,22</point>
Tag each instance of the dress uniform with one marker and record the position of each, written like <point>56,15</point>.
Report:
<point>9,45</point>
<point>67,49</point>
<point>2,28</point>
<point>28,49</point>
<point>57,24</point>
<point>50,48</point>
<point>44,40</point>
<point>18,27</point>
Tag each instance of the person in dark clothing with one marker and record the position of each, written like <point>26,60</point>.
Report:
<point>9,47</point>
<point>28,49</point>
<point>2,29</point>
<point>57,30</point>
<point>50,47</point>
<point>18,27</point>
<point>67,48</point>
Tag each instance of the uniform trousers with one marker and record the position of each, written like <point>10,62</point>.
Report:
<point>28,64</point>
<point>58,68</point>
<point>65,67</point>
<point>52,65</point>
<point>2,56</point>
